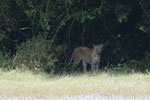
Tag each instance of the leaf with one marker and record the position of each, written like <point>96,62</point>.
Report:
<point>119,7</point>
<point>29,13</point>
<point>24,28</point>
<point>9,29</point>
<point>122,18</point>
<point>142,28</point>
<point>2,36</point>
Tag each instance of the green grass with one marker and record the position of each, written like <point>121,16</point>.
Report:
<point>16,83</point>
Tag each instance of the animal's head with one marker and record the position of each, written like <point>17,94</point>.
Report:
<point>98,48</point>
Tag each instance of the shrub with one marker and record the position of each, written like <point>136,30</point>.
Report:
<point>120,69</point>
<point>35,54</point>
<point>1,60</point>
<point>142,64</point>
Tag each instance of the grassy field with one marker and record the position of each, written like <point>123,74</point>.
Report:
<point>17,83</point>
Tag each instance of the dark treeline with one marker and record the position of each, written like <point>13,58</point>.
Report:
<point>41,34</point>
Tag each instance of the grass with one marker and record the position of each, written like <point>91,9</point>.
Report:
<point>17,83</point>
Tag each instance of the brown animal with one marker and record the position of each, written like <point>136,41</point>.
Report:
<point>88,56</point>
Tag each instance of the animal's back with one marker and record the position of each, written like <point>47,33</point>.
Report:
<point>83,53</point>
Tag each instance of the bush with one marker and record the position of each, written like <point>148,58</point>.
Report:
<point>35,54</point>
<point>142,64</point>
<point>1,60</point>
<point>120,69</point>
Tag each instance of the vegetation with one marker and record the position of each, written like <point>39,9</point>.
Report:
<point>29,84</point>
<point>41,34</point>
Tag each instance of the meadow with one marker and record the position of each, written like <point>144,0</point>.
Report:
<point>41,85</point>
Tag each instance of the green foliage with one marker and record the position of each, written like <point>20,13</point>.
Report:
<point>36,54</point>
<point>122,13</point>
<point>2,35</point>
<point>123,26</point>
<point>142,28</point>
<point>142,64</point>
<point>7,62</point>
<point>1,60</point>
<point>120,69</point>
<point>33,54</point>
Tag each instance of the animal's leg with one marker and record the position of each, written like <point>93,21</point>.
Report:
<point>93,67</point>
<point>84,66</point>
<point>97,68</point>
<point>97,65</point>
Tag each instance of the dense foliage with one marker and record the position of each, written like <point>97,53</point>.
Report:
<point>122,25</point>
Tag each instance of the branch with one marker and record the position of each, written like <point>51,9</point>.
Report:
<point>101,4</point>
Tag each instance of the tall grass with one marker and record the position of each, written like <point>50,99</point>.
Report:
<point>17,83</point>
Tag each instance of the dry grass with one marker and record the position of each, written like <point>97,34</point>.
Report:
<point>16,83</point>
